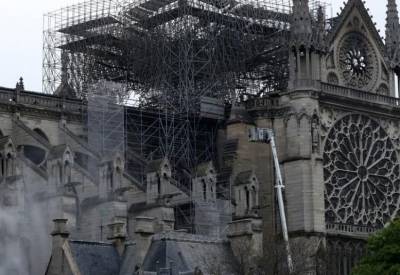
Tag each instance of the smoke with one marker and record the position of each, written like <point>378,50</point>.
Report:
<point>24,231</point>
<point>12,255</point>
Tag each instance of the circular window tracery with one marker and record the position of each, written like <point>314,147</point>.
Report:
<point>357,61</point>
<point>361,173</point>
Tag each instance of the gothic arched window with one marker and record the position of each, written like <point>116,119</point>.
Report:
<point>109,177</point>
<point>60,173</point>
<point>67,171</point>
<point>9,165</point>
<point>247,198</point>
<point>158,184</point>
<point>253,196</point>
<point>204,189</point>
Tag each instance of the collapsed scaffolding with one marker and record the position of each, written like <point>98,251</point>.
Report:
<point>177,63</point>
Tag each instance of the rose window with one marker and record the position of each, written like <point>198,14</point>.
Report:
<point>357,61</point>
<point>361,173</point>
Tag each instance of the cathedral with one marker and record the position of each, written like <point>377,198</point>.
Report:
<point>173,185</point>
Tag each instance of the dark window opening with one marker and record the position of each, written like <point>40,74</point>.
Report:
<point>158,184</point>
<point>41,133</point>
<point>2,165</point>
<point>35,154</point>
<point>110,175</point>
<point>204,190</point>
<point>81,159</point>
<point>60,173</point>
<point>247,198</point>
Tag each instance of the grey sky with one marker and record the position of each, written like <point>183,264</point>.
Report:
<point>21,24</point>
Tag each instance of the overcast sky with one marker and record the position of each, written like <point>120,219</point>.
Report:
<point>21,24</point>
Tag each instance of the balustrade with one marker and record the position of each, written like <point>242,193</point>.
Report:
<point>349,229</point>
<point>41,100</point>
<point>358,94</point>
<point>325,88</point>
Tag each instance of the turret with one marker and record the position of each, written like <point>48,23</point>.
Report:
<point>158,177</point>
<point>301,27</point>
<point>7,158</point>
<point>63,201</point>
<point>60,162</point>
<point>204,197</point>
<point>307,42</point>
<point>204,184</point>
<point>246,194</point>
<point>111,176</point>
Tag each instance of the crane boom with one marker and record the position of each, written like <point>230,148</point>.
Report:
<point>266,135</point>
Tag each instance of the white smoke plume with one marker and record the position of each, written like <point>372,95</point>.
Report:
<point>24,231</point>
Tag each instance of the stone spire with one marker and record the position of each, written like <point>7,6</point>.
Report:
<point>392,28</point>
<point>301,26</point>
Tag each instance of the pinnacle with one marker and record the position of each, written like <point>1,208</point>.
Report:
<point>392,25</point>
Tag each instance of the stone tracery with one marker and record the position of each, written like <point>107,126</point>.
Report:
<point>357,61</point>
<point>361,171</point>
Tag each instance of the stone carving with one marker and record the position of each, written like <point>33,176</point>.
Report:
<point>361,169</point>
<point>328,116</point>
<point>333,79</point>
<point>383,90</point>
<point>392,128</point>
<point>315,134</point>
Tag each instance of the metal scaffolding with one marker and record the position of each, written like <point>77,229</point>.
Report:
<point>165,49</point>
<point>105,119</point>
<point>177,62</point>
